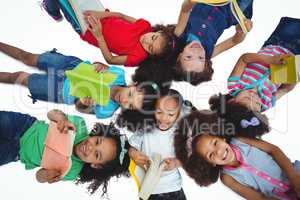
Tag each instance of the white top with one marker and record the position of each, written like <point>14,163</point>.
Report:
<point>161,142</point>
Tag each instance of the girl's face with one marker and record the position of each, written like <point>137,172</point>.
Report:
<point>166,112</point>
<point>153,42</point>
<point>215,150</point>
<point>249,98</point>
<point>193,57</point>
<point>130,98</point>
<point>96,150</point>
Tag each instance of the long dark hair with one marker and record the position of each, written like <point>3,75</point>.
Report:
<point>167,32</point>
<point>197,123</point>
<point>97,177</point>
<point>233,112</point>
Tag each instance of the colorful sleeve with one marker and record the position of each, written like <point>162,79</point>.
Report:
<point>120,81</point>
<point>107,111</point>
<point>136,141</point>
<point>232,83</point>
<point>74,171</point>
<point>139,54</point>
<point>79,123</point>
<point>143,25</point>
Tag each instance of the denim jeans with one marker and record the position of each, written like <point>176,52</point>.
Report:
<point>49,86</point>
<point>177,195</point>
<point>12,126</point>
<point>286,34</point>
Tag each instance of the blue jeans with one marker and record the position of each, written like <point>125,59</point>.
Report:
<point>177,195</point>
<point>286,34</point>
<point>49,86</point>
<point>12,126</point>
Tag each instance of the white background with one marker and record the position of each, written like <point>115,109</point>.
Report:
<point>25,25</point>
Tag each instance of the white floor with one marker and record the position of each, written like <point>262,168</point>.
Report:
<point>25,25</point>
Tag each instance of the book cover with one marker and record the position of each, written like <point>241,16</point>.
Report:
<point>287,73</point>
<point>80,6</point>
<point>58,150</point>
<point>86,82</point>
<point>147,180</point>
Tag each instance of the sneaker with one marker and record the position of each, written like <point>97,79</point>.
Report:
<point>43,6</point>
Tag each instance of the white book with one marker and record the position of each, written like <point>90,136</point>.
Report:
<point>80,6</point>
<point>151,177</point>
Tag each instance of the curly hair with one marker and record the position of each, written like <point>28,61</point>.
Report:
<point>97,177</point>
<point>156,70</point>
<point>233,112</point>
<point>194,78</point>
<point>167,32</point>
<point>196,167</point>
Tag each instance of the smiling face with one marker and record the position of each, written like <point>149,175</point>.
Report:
<point>215,150</point>
<point>249,98</point>
<point>166,112</point>
<point>130,98</point>
<point>96,150</point>
<point>192,57</point>
<point>153,42</point>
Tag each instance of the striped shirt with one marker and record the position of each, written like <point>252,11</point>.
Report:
<point>258,75</point>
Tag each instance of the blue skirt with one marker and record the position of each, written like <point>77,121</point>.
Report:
<point>286,34</point>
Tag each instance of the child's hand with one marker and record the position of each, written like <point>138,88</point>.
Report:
<point>239,34</point>
<point>248,24</point>
<point>171,163</point>
<point>97,14</point>
<point>87,101</point>
<point>278,60</point>
<point>47,175</point>
<point>100,67</point>
<point>139,158</point>
<point>64,125</point>
<point>94,26</point>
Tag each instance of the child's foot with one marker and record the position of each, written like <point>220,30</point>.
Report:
<point>57,16</point>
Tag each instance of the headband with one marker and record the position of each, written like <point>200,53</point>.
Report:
<point>189,143</point>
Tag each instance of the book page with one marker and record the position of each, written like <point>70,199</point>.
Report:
<point>80,6</point>
<point>297,61</point>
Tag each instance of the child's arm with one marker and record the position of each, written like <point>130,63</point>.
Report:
<point>284,89</point>
<point>254,57</point>
<point>282,160</point>
<point>63,124</point>
<point>104,14</point>
<point>139,158</point>
<point>96,29</point>
<point>244,191</point>
<point>183,17</point>
<point>47,175</point>
<point>238,37</point>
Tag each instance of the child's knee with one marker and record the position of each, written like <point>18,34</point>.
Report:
<point>28,58</point>
<point>20,77</point>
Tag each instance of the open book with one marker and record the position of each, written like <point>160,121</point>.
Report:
<point>287,73</point>
<point>236,11</point>
<point>58,150</point>
<point>80,6</point>
<point>147,180</point>
<point>86,82</point>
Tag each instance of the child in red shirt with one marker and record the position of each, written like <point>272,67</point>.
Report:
<point>132,40</point>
